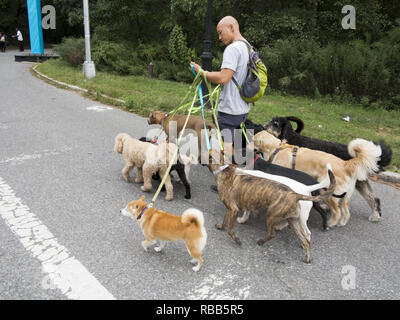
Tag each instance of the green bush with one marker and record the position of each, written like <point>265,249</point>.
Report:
<point>116,58</point>
<point>72,50</point>
<point>178,49</point>
<point>354,71</point>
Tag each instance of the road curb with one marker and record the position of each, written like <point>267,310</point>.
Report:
<point>75,88</point>
<point>387,176</point>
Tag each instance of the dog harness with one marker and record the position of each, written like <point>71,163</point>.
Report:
<point>282,147</point>
<point>140,215</point>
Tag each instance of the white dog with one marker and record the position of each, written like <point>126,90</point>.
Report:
<point>148,158</point>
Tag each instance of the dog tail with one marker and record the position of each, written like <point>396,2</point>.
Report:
<point>324,194</point>
<point>119,142</point>
<point>194,216</point>
<point>365,155</point>
<point>386,156</point>
<point>299,122</point>
<point>324,183</point>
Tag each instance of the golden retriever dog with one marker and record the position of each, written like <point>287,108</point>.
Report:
<point>364,162</point>
<point>157,224</point>
<point>148,158</point>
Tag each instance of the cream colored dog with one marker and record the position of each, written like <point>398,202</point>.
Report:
<point>148,158</point>
<point>364,162</point>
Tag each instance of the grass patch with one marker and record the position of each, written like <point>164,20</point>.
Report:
<point>322,117</point>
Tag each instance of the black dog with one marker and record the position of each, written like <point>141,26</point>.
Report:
<point>260,164</point>
<point>281,128</point>
<point>179,167</point>
<point>254,128</point>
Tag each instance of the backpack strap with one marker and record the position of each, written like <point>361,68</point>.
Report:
<point>235,82</point>
<point>249,48</point>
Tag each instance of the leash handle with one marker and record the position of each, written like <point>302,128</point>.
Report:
<point>202,112</point>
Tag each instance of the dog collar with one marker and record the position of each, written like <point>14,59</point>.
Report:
<point>252,163</point>
<point>140,215</point>
<point>220,169</point>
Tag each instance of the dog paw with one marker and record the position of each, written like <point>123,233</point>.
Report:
<point>169,198</point>
<point>331,223</point>
<point>241,220</point>
<point>137,180</point>
<point>374,218</point>
<point>219,226</point>
<point>237,240</point>
<point>196,268</point>
<point>143,188</point>
<point>260,242</point>
<point>306,260</point>
<point>188,196</point>
<point>158,249</point>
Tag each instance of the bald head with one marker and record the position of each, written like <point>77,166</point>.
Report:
<point>228,20</point>
<point>228,30</point>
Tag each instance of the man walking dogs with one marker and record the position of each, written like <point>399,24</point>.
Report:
<point>232,109</point>
<point>20,39</point>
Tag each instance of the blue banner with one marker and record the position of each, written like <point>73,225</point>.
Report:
<point>35,26</point>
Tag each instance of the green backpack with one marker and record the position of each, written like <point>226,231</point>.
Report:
<point>256,81</point>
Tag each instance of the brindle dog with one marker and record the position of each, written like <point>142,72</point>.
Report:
<point>245,192</point>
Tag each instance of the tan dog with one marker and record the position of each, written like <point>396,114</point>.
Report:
<point>249,193</point>
<point>157,224</point>
<point>148,158</point>
<point>364,162</point>
<point>195,123</point>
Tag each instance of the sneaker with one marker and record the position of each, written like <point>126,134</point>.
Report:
<point>214,189</point>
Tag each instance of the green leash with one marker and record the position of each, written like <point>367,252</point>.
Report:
<point>175,153</point>
<point>214,99</point>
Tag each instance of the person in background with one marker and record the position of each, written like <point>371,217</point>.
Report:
<point>20,39</point>
<point>2,42</point>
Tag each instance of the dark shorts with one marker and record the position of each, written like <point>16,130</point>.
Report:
<point>228,123</point>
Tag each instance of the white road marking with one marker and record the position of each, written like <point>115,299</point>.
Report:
<point>99,108</point>
<point>37,155</point>
<point>214,287</point>
<point>62,270</point>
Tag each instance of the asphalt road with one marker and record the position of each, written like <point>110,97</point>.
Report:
<point>58,168</point>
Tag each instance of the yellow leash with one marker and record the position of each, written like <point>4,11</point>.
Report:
<point>175,153</point>
<point>214,96</point>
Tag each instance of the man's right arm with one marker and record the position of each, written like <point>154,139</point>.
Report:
<point>218,77</point>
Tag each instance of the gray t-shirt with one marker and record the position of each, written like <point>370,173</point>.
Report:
<point>236,58</point>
